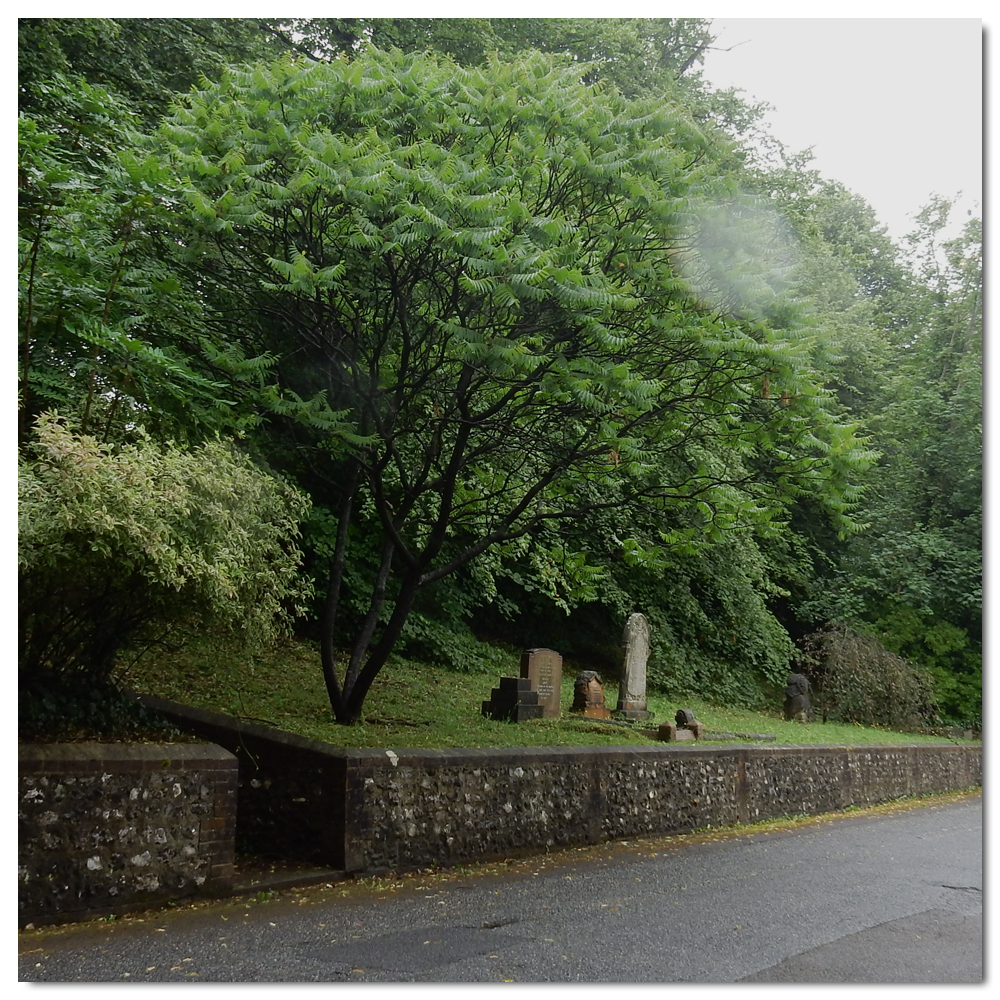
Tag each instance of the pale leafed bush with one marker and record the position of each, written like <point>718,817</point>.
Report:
<point>118,544</point>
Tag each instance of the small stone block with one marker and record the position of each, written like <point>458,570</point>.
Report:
<point>667,732</point>
<point>634,714</point>
<point>512,701</point>
<point>515,685</point>
<point>684,735</point>
<point>524,713</point>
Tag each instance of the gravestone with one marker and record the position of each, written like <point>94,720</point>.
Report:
<point>686,721</point>
<point>632,689</point>
<point>588,696</point>
<point>543,667</point>
<point>513,701</point>
<point>684,727</point>
<point>798,707</point>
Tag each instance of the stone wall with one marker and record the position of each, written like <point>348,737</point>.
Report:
<point>291,792</point>
<point>371,810</point>
<point>108,828</point>
<point>449,807</point>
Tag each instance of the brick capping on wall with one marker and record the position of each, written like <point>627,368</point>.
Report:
<point>116,827</point>
<point>374,810</point>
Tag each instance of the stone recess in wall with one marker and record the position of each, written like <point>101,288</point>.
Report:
<point>107,828</point>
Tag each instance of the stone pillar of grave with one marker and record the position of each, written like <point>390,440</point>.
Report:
<point>632,686</point>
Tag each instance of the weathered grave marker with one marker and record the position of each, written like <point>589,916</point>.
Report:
<point>543,667</point>
<point>632,688</point>
<point>797,703</point>
<point>684,727</point>
<point>588,696</point>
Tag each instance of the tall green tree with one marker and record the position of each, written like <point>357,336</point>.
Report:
<point>144,61</point>
<point>469,281</point>
<point>915,577</point>
<point>637,55</point>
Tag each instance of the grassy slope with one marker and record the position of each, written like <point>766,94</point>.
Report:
<point>421,705</point>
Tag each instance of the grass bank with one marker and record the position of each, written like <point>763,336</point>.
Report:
<point>415,704</point>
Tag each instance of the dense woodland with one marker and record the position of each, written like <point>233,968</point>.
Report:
<point>414,334</point>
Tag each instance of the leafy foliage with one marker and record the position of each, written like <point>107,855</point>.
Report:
<point>856,679</point>
<point>118,547</point>
<point>637,55</point>
<point>144,61</point>
<point>468,279</point>
<point>916,576</point>
<point>107,331</point>
<point>706,602</point>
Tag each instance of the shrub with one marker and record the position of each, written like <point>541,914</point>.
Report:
<point>117,546</point>
<point>856,679</point>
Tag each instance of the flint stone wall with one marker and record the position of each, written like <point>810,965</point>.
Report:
<point>108,828</point>
<point>291,792</point>
<point>404,809</point>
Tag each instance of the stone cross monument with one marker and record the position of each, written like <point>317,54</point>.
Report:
<point>632,688</point>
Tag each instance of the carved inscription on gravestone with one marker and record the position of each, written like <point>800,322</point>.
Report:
<point>543,667</point>
<point>632,688</point>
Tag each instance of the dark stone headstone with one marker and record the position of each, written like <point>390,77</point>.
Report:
<point>513,701</point>
<point>543,667</point>
<point>588,696</point>
<point>797,704</point>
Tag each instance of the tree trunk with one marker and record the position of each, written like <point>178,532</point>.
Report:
<point>375,606</point>
<point>376,660</point>
<point>329,622</point>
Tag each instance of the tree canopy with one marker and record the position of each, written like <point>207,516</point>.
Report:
<point>541,337</point>
<point>469,280</point>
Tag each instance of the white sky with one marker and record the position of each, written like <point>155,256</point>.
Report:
<point>891,106</point>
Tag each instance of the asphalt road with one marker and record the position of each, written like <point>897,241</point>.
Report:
<point>871,898</point>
